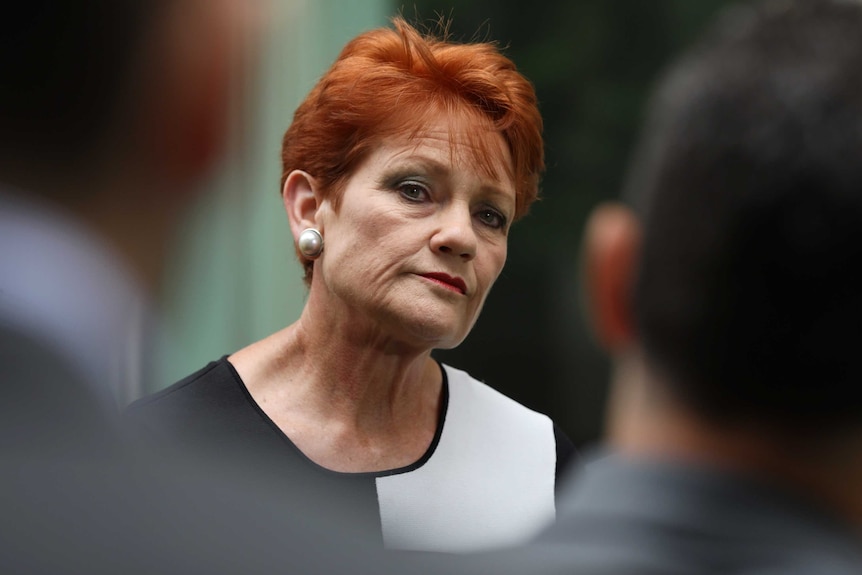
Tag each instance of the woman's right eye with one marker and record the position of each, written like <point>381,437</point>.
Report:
<point>413,191</point>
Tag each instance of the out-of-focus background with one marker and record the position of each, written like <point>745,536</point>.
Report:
<point>234,277</point>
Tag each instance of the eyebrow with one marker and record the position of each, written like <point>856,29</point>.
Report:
<point>404,167</point>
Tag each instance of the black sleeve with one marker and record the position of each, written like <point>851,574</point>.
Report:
<point>566,456</point>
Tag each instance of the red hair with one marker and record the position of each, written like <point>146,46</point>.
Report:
<point>394,82</point>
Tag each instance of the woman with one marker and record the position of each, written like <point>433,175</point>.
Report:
<point>403,171</point>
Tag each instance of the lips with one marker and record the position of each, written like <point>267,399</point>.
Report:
<point>445,280</point>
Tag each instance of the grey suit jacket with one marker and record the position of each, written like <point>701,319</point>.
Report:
<point>621,516</point>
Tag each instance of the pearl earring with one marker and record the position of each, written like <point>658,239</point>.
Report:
<point>310,243</point>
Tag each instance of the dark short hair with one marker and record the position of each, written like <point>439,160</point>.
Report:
<point>64,67</point>
<point>748,296</point>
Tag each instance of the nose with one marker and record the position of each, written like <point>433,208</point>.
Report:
<point>455,234</point>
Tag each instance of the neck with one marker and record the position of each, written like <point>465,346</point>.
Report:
<point>140,231</point>
<point>340,369</point>
<point>119,208</point>
<point>349,400</point>
<point>646,421</point>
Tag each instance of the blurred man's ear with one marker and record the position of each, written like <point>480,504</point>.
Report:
<point>195,66</point>
<point>611,247</point>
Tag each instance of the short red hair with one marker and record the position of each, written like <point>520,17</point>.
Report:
<point>393,82</point>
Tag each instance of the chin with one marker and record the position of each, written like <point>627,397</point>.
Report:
<point>434,333</point>
<point>426,326</point>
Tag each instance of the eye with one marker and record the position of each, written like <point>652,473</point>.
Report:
<point>491,218</point>
<point>413,191</point>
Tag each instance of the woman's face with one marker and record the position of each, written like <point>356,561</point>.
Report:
<point>419,237</point>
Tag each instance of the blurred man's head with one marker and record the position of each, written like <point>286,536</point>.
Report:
<point>747,295</point>
<point>748,186</point>
<point>116,109</point>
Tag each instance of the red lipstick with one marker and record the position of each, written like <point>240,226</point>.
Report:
<point>445,280</point>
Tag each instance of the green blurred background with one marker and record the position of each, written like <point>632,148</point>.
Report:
<point>235,279</point>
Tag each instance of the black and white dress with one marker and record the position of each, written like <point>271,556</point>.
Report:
<point>487,480</point>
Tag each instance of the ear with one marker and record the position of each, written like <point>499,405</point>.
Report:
<point>192,89</point>
<point>299,195</point>
<point>611,249</point>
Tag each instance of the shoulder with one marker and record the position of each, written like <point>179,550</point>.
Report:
<point>215,377</point>
<point>44,400</point>
<point>480,405</point>
<point>477,405</point>
<point>204,401</point>
<point>466,389</point>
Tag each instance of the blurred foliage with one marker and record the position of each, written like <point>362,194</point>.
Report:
<point>593,63</point>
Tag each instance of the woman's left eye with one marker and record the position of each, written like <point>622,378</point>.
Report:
<point>413,191</point>
<point>491,218</point>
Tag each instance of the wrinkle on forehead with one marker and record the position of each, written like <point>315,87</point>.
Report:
<point>471,137</point>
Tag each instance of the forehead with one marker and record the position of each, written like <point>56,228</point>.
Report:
<point>456,141</point>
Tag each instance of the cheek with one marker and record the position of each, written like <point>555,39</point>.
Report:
<point>491,267</point>
<point>497,261</point>
<point>367,255</point>
<point>375,225</point>
<point>354,234</point>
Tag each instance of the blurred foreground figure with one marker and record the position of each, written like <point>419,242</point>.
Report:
<point>730,302</point>
<point>112,112</point>
<point>111,116</point>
